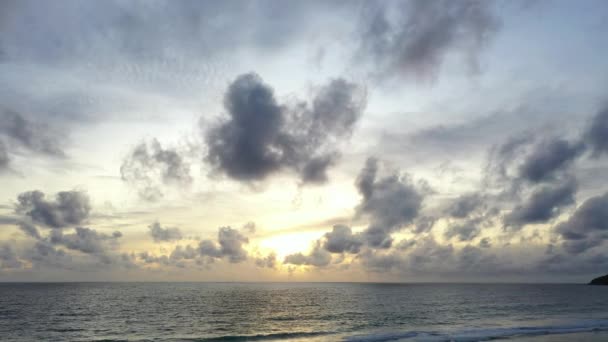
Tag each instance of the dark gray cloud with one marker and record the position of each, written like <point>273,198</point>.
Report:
<point>485,243</point>
<point>428,257</point>
<point>69,208</point>
<point>149,166</point>
<point>318,257</point>
<point>413,38</point>
<point>8,258</point>
<point>44,255</point>
<point>4,158</point>
<point>29,229</point>
<point>85,240</point>
<point>597,133</point>
<point>55,251</point>
<point>587,227</point>
<point>548,158</point>
<point>160,234</point>
<point>590,265</point>
<point>542,205</point>
<point>20,134</point>
<point>30,135</point>
<point>342,240</point>
<point>425,254</point>
<point>467,230</point>
<point>261,136</point>
<point>390,203</point>
<point>229,244</point>
<point>464,205</point>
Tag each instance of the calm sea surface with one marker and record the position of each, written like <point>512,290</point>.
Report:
<point>302,311</point>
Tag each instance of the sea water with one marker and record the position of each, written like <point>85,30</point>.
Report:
<point>298,311</point>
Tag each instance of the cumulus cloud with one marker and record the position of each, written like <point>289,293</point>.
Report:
<point>413,38</point>
<point>160,234</point>
<point>177,257</point>
<point>148,258</point>
<point>342,240</point>
<point>85,240</point>
<point>148,166</point>
<point>229,244</point>
<point>318,257</point>
<point>542,205</point>
<point>587,227</point>
<point>69,208</point>
<point>390,203</point>
<point>260,136</point>
<point>269,261</point>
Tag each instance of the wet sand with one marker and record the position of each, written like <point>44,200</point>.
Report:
<point>586,336</point>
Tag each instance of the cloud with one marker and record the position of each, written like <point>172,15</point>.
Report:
<point>148,166</point>
<point>22,134</point>
<point>4,158</point>
<point>414,38</point>
<point>318,257</point>
<point>176,258</point>
<point>587,227</point>
<point>32,136</point>
<point>465,205</point>
<point>548,158</point>
<point>43,255</point>
<point>184,253</point>
<point>160,234</point>
<point>8,258</point>
<point>151,31</point>
<point>428,257</point>
<point>29,229</point>
<point>69,208</point>
<point>342,240</point>
<point>597,133</point>
<point>85,240</point>
<point>542,205</point>
<point>485,243</point>
<point>229,244</point>
<point>269,261</point>
<point>261,136</point>
<point>390,203</point>
<point>465,231</point>
<point>148,258</point>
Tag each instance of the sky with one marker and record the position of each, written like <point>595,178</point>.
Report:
<point>381,141</point>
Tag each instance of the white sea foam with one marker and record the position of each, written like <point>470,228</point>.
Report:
<point>486,334</point>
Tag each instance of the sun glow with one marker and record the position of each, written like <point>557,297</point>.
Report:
<point>290,243</point>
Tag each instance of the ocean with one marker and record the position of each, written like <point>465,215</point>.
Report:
<point>301,312</point>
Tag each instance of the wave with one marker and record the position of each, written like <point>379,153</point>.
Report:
<point>261,337</point>
<point>470,335</point>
